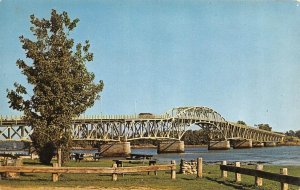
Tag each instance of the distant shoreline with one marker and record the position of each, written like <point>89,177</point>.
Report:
<point>289,144</point>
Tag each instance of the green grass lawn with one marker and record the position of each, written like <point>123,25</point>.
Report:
<point>211,178</point>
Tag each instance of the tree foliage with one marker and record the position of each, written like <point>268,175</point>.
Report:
<point>195,137</point>
<point>62,87</point>
<point>293,133</point>
<point>290,133</point>
<point>241,122</point>
<point>265,127</point>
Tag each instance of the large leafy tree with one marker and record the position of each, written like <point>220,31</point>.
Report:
<point>62,87</point>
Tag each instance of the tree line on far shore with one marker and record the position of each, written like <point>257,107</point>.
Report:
<point>293,133</point>
<point>267,127</point>
<point>198,137</point>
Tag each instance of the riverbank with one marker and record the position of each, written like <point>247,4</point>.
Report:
<point>289,144</point>
<point>142,146</point>
<point>196,146</point>
<point>211,179</point>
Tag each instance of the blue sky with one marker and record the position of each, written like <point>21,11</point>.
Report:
<point>240,58</point>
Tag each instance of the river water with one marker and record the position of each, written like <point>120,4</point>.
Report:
<point>283,155</point>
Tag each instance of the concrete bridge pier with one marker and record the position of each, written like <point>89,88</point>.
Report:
<point>219,145</point>
<point>258,144</point>
<point>170,147</point>
<point>115,149</point>
<point>270,144</point>
<point>245,143</point>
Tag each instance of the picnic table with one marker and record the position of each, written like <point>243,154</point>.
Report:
<point>97,156</point>
<point>151,162</point>
<point>7,155</point>
<point>77,156</point>
<point>81,156</point>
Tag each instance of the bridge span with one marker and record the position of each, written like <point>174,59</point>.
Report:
<point>168,128</point>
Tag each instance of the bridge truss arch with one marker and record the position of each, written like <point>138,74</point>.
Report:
<point>196,113</point>
<point>171,125</point>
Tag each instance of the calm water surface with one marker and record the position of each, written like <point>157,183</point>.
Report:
<point>283,155</point>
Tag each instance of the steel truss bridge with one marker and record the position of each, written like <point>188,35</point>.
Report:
<point>169,126</point>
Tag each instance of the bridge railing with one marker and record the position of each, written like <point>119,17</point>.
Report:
<point>134,116</point>
<point>83,117</point>
<point>11,117</point>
